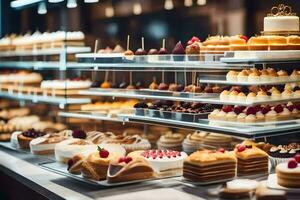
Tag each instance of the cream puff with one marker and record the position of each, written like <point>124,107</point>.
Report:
<point>295,75</point>
<point>251,97</point>
<point>264,76</point>
<point>282,76</point>
<point>242,76</point>
<point>241,97</point>
<point>224,95</point>
<point>253,77</point>
<point>231,116</point>
<point>233,95</point>
<point>241,117</point>
<point>262,96</point>
<point>231,76</point>
<point>286,94</point>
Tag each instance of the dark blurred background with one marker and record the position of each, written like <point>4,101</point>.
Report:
<point>153,19</point>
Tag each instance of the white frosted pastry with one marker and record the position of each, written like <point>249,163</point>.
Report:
<point>66,84</point>
<point>14,139</point>
<point>70,147</point>
<point>281,23</point>
<point>242,184</point>
<point>162,160</point>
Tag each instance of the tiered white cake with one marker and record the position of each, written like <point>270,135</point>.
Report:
<point>281,23</point>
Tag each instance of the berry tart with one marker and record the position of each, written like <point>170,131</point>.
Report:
<point>163,162</point>
<point>96,164</point>
<point>27,136</point>
<point>282,153</point>
<point>288,173</point>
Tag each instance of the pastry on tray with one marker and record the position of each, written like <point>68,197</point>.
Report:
<point>288,174</point>
<point>96,164</point>
<point>171,141</point>
<point>27,136</point>
<point>128,169</point>
<point>46,143</point>
<point>210,166</point>
<point>75,164</point>
<point>163,162</point>
<point>251,160</point>
<point>239,189</point>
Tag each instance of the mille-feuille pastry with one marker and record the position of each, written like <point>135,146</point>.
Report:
<point>210,166</point>
<point>96,164</point>
<point>26,136</point>
<point>288,174</point>
<point>129,169</point>
<point>171,141</point>
<point>46,144</point>
<point>163,162</point>
<point>251,160</point>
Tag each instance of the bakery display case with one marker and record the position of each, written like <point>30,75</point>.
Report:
<point>212,119</point>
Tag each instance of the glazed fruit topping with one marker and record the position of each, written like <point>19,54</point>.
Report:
<point>103,153</point>
<point>32,133</point>
<point>290,107</point>
<point>70,163</point>
<point>193,39</point>
<point>125,159</point>
<point>244,37</point>
<point>241,148</point>
<point>227,108</point>
<point>238,109</point>
<point>278,108</point>
<point>265,110</point>
<point>222,150</point>
<point>154,154</point>
<point>297,157</point>
<point>79,134</point>
<point>292,164</point>
<point>251,111</point>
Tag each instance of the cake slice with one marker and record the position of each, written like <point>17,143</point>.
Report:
<point>288,174</point>
<point>208,165</point>
<point>128,169</point>
<point>251,160</point>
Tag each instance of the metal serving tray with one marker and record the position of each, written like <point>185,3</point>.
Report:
<point>61,169</point>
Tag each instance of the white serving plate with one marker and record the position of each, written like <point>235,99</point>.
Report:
<point>272,184</point>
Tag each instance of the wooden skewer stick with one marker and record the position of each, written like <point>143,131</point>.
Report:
<point>163,76</point>
<point>130,78</point>
<point>143,44</point>
<point>163,43</point>
<point>185,78</point>
<point>96,48</point>
<point>175,74</point>
<point>128,40</point>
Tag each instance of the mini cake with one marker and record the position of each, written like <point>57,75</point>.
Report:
<point>170,141</point>
<point>260,43</point>
<point>253,77</point>
<point>251,160</point>
<point>286,94</point>
<point>251,97</point>
<point>163,162</point>
<point>208,166</point>
<point>193,141</point>
<point>293,42</point>
<point>262,96</point>
<point>46,143</point>
<point>242,76</point>
<point>295,75</point>
<point>231,76</point>
<point>275,94</point>
<point>238,43</point>
<point>288,174</point>
<point>282,76</point>
<point>95,166</point>
<point>224,95</point>
<point>278,43</point>
<point>25,137</point>
<point>282,153</point>
<point>241,97</point>
<point>233,95</point>
<point>128,169</point>
<point>264,76</point>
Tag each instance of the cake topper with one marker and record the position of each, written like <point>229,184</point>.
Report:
<point>281,10</point>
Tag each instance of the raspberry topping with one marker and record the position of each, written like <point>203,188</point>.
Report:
<point>238,109</point>
<point>291,107</point>
<point>265,110</point>
<point>297,157</point>
<point>103,153</point>
<point>122,159</point>
<point>278,108</point>
<point>251,111</point>
<point>128,160</point>
<point>222,150</point>
<point>79,134</point>
<point>292,164</point>
<point>227,108</point>
<point>241,148</point>
<point>193,39</point>
<point>244,37</point>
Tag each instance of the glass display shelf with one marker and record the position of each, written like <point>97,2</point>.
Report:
<point>45,52</point>
<point>88,115</point>
<point>61,101</point>
<point>239,130</point>
<point>221,80</point>
<point>18,4</point>
<point>209,98</point>
<point>40,65</point>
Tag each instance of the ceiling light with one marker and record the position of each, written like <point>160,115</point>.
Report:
<point>188,3</point>
<point>55,1</point>
<point>72,4</point>
<point>109,11</point>
<point>201,2</point>
<point>169,4</point>
<point>91,1</point>
<point>137,8</point>
<point>42,9</point>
